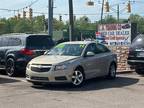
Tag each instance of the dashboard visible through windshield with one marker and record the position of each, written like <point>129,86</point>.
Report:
<point>67,49</point>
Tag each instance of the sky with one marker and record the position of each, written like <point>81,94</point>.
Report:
<point>80,8</point>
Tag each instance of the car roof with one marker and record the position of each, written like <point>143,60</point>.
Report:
<point>79,42</point>
<point>21,35</point>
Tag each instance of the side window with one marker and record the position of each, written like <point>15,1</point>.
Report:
<point>102,48</point>
<point>4,41</point>
<point>14,42</point>
<point>92,48</point>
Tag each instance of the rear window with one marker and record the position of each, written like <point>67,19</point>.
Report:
<point>39,42</point>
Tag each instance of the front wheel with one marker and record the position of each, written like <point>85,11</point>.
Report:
<point>77,78</point>
<point>112,71</point>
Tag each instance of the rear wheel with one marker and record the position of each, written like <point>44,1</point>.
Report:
<point>77,78</point>
<point>112,71</point>
<point>10,67</point>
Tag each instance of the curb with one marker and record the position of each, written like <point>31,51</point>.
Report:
<point>125,72</point>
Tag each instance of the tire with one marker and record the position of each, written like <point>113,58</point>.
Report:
<point>78,78</point>
<point>112,71</point>
<point>139,71</point>
<point>10,67</point>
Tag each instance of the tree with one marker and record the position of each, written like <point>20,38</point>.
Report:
<point>23,26</point>
<point>109,19</point>
<point>58,25</point>
<point>2,27</point>
<point>134,18</point>
<point>39,24</point>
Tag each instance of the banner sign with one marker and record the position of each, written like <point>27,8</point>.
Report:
<point>114,34</point>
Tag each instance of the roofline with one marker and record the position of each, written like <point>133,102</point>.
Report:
<point>22,34</point>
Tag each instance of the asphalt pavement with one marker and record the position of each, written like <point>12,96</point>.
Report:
<point>126,91</point>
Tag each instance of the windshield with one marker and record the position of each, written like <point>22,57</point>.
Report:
<point>138,42</point>
<point>67,49</point>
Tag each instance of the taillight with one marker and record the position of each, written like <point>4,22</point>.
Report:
<point>26,51</point>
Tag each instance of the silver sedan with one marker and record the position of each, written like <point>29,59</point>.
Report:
<point>72,62</point>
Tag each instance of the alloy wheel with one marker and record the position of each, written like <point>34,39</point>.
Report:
<point>77,78</point>
<point>112,71</point>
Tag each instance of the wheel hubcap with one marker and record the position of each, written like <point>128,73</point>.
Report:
<point>77,78</point>
<point>113,71</point>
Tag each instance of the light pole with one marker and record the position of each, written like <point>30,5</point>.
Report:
<point>50,17</point>
<point>102,11</point>
<point>71,22</point>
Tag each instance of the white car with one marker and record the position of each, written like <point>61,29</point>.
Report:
<point>72,62</point>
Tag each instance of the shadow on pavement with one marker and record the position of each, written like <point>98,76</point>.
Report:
<point>7,80</point>
<point>93,84</point>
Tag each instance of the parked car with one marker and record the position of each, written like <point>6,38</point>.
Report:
<point>17,50</point>
<point>136,54</point>
<point>72,62</point>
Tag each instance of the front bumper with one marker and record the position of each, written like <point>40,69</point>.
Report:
<point>63,76</point>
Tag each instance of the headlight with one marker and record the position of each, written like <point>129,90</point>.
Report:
<point>60,67</point>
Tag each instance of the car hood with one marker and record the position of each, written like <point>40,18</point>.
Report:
<point>51,59</point>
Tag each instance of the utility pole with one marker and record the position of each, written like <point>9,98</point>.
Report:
<point>71,22</point>
<point>50,18</point>
<point>118,12</point>
<point>102,11</point>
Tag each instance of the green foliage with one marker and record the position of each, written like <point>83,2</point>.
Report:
<point>2,27</point>
<point>39,24</point>
<point>23,26</point>
<point>58,25</point>
<point>134,18</point>
<point>84,23</point>
<point>109,19</point>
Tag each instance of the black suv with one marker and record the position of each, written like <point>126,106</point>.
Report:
<point>18,49</point>
<point>136,54</point>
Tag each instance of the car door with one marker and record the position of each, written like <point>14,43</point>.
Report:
<point>104,56</point>
<point>91,63</point>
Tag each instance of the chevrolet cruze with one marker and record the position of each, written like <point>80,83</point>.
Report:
<point>72,62</point>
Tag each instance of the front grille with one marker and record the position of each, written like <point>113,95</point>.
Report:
<point>39,78</point>
<point>61,78</point>
<point>40,69</point>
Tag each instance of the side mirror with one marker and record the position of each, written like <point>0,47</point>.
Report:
<point>90,54</point>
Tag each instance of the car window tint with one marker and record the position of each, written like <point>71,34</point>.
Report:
<point>39,42</point>
<point>14,42</point>
<point>67,49</point>
<point>102,48</point>
<point>92,48</point>
<point>4,41</point>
